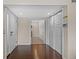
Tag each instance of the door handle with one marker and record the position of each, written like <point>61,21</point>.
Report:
<point>11,33</point>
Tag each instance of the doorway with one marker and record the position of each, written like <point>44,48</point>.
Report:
<point>38,32</point>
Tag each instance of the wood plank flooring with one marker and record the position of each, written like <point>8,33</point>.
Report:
<point>34,51</point>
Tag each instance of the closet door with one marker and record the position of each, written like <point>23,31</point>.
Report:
<point>13,32</point>
<point>55,33</point>
<point>11,26</point>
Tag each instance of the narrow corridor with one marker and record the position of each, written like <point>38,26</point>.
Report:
<point>34,51</point>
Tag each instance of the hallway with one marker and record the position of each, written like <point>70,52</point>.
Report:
<point>34,33</point>
<point>38,29</point>
<point>34,51</point>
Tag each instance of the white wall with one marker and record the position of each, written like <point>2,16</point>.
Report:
<point>65,34</point>
<point>10,25</point>
<point>24,31</point>
<point>71,30</point>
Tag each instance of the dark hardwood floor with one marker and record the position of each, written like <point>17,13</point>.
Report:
<point>35,51</point>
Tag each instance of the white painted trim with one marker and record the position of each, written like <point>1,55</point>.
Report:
<point>5,33</point>
<point>62,36</point>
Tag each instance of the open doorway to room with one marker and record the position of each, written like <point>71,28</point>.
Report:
<point>35,31</point>
<point>38,32</point>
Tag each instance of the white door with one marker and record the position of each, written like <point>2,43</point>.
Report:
<point>35,29</point>
<point>55,32</point>
<point>13,32</point>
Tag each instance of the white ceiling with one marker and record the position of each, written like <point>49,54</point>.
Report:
<point>33,12</point>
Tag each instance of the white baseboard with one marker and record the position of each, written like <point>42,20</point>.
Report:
<point>24,44</point>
